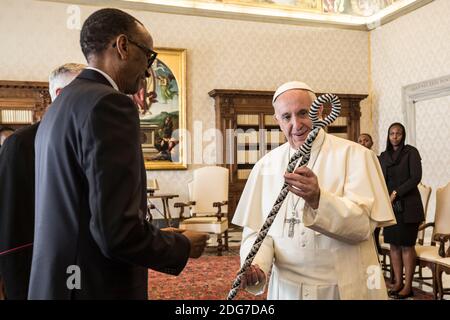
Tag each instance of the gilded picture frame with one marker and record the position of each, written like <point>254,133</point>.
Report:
<point>162,112</point>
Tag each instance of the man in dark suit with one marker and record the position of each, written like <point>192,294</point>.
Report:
<point>17,196</point>
<point>91,237</point>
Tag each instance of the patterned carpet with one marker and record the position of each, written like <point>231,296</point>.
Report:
<point>209,278</point>
<point>205,278</point>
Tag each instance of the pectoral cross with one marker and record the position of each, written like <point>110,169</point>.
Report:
<point>292,222</point>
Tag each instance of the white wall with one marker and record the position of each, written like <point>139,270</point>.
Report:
<point>220,54</point>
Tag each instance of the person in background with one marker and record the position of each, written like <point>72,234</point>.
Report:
<point>17,199</point>
<point>402,170</point>
<point>5,132</point>
<point>365,140</point>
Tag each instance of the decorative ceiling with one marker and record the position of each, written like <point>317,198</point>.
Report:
<point>348,14</point>
<point>352,7</point>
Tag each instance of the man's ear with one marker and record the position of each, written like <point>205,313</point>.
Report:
<point>58,91</point>
<point>321,111</point>
<point>122,46</point>
<point>276,119</point>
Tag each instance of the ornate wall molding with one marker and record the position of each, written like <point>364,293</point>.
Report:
<point>421,91</point>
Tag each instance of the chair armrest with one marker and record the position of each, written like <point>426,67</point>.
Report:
<point>219,205</point>
<point>422,227</point>
<point>183,205</point>
<point>442,239</point>
<point>426,225</point>
<point>148,215</point>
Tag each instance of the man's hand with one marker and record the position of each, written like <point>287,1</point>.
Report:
<point>252,276</point>
<point>303,182</point>
<point>198,242</point>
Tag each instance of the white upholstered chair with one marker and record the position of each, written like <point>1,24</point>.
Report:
<point>425,193</point>
<point>432,256</point>
<point>208,199</point>
<point>443,263</point>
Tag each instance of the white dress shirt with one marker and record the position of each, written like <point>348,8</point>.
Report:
<point>111,81</point>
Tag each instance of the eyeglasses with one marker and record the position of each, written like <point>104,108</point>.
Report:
<point>149,53</point>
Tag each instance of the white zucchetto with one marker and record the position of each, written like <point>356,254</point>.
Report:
<point>290,86</point>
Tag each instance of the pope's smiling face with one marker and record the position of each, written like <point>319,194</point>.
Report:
<point>292,115</point>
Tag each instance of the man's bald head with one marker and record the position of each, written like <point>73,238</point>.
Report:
<point>118,44</point>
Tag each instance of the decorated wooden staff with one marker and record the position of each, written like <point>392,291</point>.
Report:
<point>304,152</point>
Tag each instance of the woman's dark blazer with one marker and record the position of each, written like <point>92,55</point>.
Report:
<point>407,175</point>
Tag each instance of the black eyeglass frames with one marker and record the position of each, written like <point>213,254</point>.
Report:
<point>149,53</point>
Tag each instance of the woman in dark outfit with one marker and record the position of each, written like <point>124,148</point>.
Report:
<point>402,170</point>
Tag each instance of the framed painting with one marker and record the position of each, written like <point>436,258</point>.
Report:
<point>162,112</point>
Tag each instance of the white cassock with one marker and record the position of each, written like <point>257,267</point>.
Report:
<point>331,254</point>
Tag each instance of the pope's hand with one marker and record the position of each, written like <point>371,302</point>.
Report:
<point>252,276</point>
<point>303,182</point>
<point>198,242</point>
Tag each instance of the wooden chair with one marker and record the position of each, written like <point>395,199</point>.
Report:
<point>430,255</point>
<point>443,263</point>
<point>149,216</point>
<point>384,248</point>
<point>425,193</point>
<point>208,200</point>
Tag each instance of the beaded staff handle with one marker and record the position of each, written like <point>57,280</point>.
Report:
<point>305,152</point>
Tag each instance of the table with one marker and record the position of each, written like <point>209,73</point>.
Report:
<point>165,201</point>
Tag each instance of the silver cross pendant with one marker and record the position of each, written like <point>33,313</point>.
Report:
<point>292,222</point>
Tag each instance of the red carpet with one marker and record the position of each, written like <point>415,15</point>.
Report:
<point>205,278</point>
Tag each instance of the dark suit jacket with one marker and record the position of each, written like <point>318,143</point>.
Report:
<point>91,200</point>
<point>407,173</point>
<point>17,210</point>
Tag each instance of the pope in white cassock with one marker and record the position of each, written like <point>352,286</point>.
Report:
<point>321,244</point>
